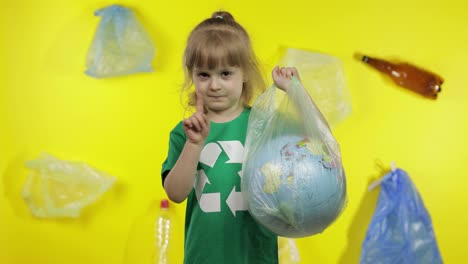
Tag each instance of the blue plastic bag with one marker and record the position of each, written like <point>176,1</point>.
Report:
<point>120,46</point>
<point>401,228</point>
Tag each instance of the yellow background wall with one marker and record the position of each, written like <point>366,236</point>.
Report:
<point>121,125</point>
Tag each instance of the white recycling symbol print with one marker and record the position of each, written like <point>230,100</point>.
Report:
<point>211,202</point>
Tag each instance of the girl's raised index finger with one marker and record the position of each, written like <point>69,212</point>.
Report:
<point>199,106</point>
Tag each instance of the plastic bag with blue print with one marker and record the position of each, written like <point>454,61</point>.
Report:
<point>401,229</point>
<point>120,46</point>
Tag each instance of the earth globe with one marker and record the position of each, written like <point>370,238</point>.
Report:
<point>294,186</point>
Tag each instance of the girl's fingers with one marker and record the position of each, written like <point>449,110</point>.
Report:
<point>274,72</point>
<point>187,123</point>
<point>205,120</point>
<point>192,123</point>
<point>295,73</point>
<point>197,122</point>
<point>277,72</point>
<point>287,72</point>
<point>282,76</point>
<point>202,120</point>
<point>199,106</point>
<point>206,125</point>
<point>283,72</point>
<point>291,72</point>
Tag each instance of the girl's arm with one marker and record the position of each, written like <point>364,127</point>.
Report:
<point>179,181</point>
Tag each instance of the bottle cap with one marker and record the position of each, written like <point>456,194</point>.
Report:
<point>164,203</point>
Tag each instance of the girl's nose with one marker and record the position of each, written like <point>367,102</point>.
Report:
<point>215,85</point>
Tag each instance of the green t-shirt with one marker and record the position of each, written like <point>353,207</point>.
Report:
<point>218,227</point>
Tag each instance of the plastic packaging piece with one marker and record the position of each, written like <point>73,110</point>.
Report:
<point>293,179</point>
<point>408,76</point>
<point>401,228</point>
<point>287,251</point>
<point>58,188</point>
<point>324,78</point>
<point>120,46</point>
<point>162,228</point>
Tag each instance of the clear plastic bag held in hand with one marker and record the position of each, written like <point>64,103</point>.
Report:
<point>293,180</point>
<point>120,45</point>
<point>401,229</point>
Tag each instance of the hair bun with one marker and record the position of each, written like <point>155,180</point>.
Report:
<point>223,15</point>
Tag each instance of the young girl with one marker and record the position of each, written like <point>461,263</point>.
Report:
<point>204,163</point>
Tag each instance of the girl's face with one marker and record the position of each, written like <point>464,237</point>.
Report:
<point>221,89</point>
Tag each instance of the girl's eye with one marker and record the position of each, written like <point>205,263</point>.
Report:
<point>203,75</point>
<point>226,73</point>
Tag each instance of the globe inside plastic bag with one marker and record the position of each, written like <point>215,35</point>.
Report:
<point>401,228</point>
<point>293,179</point>
<point>120,46</point>
<point>324,78</point>
<point>57,188</point>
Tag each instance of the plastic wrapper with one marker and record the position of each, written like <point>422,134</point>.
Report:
<point>293,181</point>
<point>120,46</point>
<point>58,188</point>
<point>287,251</point>
<point>324,78</point>
<point>401,229</point>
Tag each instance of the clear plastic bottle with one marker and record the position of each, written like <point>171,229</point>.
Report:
<point>408,76</point>
<point>162,232</point>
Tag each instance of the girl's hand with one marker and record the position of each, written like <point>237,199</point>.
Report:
<point>282,76</point>
<point>197,126</point>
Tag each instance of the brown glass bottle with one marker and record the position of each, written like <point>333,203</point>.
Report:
<point>408,76</point>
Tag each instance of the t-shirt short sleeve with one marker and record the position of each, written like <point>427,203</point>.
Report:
<point>177,140</point>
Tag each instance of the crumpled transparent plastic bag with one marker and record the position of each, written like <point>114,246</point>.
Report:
<point>287,251</point>
<point>293,179</point>
<point>401,228</point>
<point>57,188</point>
<point>324,78</point>
<point>120,46</point>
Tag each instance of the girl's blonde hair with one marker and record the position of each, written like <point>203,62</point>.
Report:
<point>221,41</point>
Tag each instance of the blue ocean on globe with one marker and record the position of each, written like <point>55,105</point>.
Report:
<point>294,186</point>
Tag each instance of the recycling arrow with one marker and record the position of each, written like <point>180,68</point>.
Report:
<point>209,202</point>
<point>236,202</point>
<point>234,150</point>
